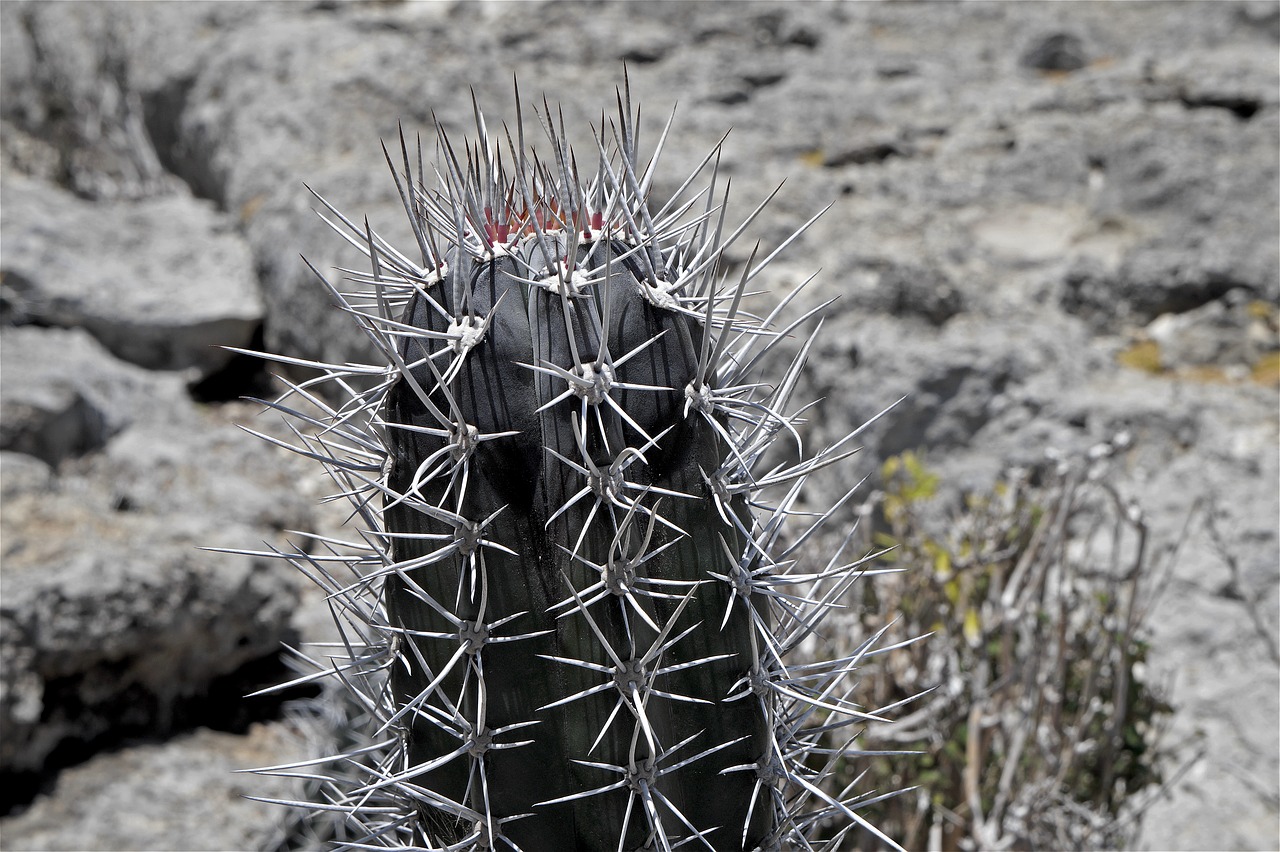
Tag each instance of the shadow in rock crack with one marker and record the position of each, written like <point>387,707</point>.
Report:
<point>139,718</point>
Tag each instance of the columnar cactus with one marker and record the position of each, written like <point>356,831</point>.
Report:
<point>576,597</point>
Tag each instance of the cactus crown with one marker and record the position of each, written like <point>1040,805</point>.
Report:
<point>577,594</point>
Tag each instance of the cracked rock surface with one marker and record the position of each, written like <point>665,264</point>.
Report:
<point>1049,223</point>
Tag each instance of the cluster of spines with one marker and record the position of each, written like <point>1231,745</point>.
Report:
<point>440,535</point>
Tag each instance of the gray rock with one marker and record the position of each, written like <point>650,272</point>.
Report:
<point>1197,182</point>
<point>97,82</point>
<point>112,622</point>
<point>51,423</point>
<point>1263,16</point>
<point>81,99</point>
<point>102,639</point>
<point>902,290</point>
<point>1217,629</point>
<point>1056,52</point>
<point>179,795</point>
<point>23,474</point>
<point>26,154</point>
<point>200,465</point>
<point>1151,281</point>
<point>1233,333</point>
<point>64,395</point>
<point>956,380</point>
<point>1237,84</point>
<point>160,282</point>
<point>229,144</point>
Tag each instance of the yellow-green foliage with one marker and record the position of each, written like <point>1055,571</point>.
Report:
<point>1143,355</point>
<point>911,483</point>
<point>1267,370</point>
<point>1040,728</point>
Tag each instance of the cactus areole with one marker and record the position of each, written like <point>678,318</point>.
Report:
<point>573,606</point>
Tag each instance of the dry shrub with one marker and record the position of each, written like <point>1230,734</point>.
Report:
<point>1038,722</point>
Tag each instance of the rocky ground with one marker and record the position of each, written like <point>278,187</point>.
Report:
<point>1050,223</point>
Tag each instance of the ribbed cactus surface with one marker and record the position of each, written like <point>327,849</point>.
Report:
<point>578,585</point>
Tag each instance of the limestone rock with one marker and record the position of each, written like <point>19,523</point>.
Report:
<point>183,794</point>
<point>64,395</point>
<point>101,639</point>
<point>162,283</point>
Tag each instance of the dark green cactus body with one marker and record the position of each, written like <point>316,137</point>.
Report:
<point>640,483</point>
<point>571,606</point>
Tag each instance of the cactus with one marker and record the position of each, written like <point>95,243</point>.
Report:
<point>576,602</point>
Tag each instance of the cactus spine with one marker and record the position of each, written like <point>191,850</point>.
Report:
<point>572,611</point>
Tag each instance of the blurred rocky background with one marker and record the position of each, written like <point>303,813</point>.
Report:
<point>1051,224</point>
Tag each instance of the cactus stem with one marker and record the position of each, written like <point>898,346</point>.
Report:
<point>572,484</point>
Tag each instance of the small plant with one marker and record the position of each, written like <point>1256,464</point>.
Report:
<point>1041,729</point>
<point>576,595</point>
